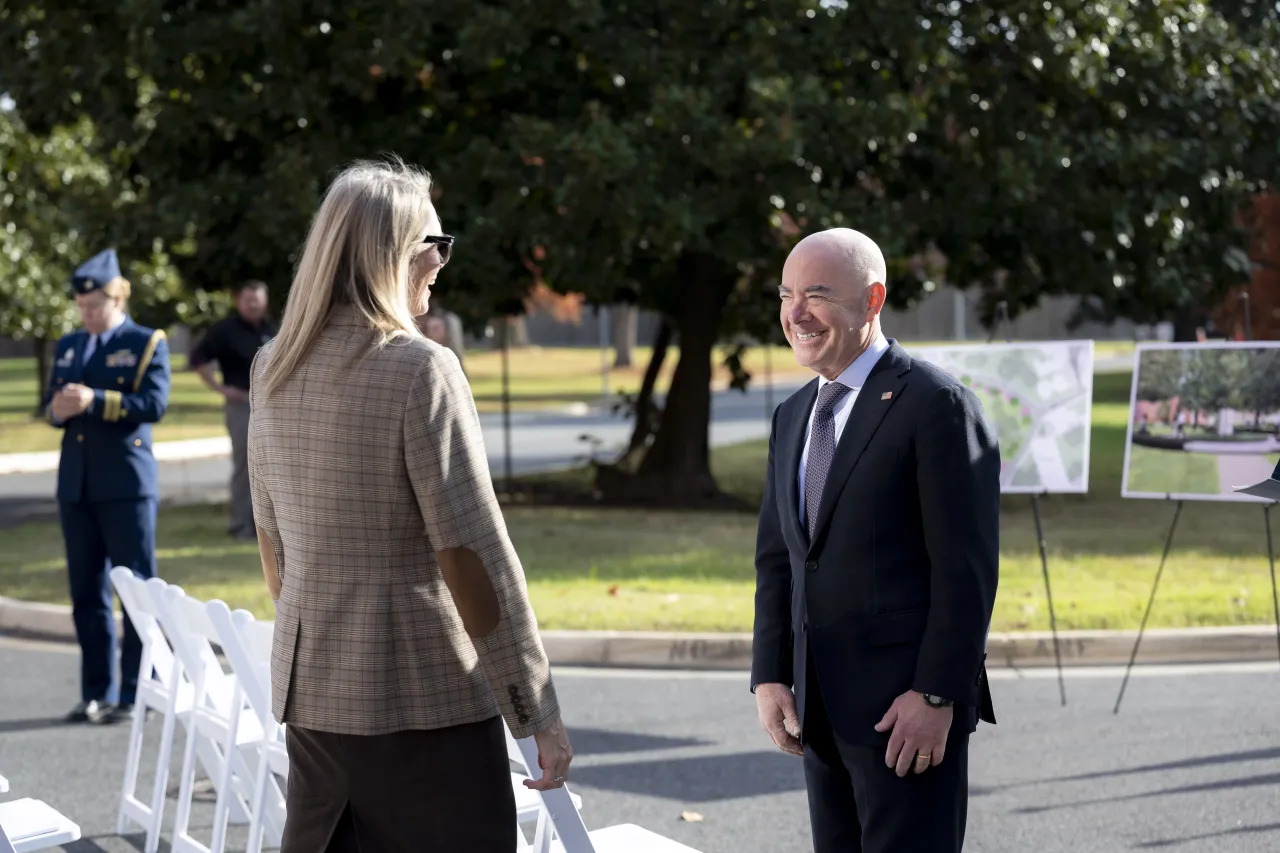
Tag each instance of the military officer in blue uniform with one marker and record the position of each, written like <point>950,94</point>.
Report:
<point>108,385</point>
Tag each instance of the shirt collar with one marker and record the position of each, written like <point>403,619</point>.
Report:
<point>106,336</point>
<point>855,375</point>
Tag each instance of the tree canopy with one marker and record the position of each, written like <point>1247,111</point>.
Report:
<point>57,199</point>
<point>669,153</point>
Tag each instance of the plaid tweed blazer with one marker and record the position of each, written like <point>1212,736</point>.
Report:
<point>363,463</point>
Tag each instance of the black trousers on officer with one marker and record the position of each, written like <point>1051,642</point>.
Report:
<point>99,537</point>
<point>859,805</point>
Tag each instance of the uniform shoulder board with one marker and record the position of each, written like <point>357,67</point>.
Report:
<point>147,354</point>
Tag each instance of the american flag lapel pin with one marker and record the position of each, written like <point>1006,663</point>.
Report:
<point>886,395</point>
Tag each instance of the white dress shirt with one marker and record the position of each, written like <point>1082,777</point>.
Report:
<point>101,340</point>
<point>853,377</point>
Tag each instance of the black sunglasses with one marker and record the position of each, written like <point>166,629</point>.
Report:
<point>443,244</point>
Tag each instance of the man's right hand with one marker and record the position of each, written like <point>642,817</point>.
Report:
<point>554,754</point>
<point>776,705</point>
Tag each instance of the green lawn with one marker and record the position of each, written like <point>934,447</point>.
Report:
<point>625,569</point>
<point>539,377</point>
<point>1153,469</point>
<point>1160,471</point>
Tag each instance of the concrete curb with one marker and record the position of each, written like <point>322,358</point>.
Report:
<point>39,621</point>
<point>659,650</point>
<point>165,451</point>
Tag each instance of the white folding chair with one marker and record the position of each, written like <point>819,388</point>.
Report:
<point>247,644</point>
<point>528,802</point>
<point>218,718</point>
<point>27,825</point>
<point>560,828</point>
<point>163,687</point>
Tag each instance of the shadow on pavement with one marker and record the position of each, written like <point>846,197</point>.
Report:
<point>1200,788</point>
<point>11,726</point>
<point>1226,833</point>
<point>702,779</point>
<point>1164,766</point>
<point>605,742</point>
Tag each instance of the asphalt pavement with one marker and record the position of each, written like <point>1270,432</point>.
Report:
<point>540,441</point>
<point>1190,763</point>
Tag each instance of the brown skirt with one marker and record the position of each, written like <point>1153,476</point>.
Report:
<point>409,792</point>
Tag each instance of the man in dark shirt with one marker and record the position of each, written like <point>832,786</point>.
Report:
<point>232,344</point>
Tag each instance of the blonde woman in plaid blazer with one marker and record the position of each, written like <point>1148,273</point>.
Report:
<point>403,629</point>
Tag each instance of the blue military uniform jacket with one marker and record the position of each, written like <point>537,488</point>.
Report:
<point>106,451</point>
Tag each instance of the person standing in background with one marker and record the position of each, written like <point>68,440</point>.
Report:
<point>436,328</point>
<point>108,385</point>
<point>232,343</point>
<point>445,328</point>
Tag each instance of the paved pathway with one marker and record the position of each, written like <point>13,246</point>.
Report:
<point>540,441</point>
<point>1235,470</point>
<point>1190,764</point>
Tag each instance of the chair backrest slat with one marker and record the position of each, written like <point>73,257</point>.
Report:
<point>240,634</point>
<point>142,613</point>
<point>191,635</point>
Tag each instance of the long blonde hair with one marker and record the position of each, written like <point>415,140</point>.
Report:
<point>358,252</point>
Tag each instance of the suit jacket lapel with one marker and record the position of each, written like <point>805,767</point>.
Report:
<point>790,444</point>
<point>78,365</point>
<point>883,388</point>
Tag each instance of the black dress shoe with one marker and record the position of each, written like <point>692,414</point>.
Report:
<point>94,712</point>
<point>121,714</point>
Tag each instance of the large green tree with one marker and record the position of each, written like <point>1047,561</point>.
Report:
<point>57,201</point>
<point>669,153</point>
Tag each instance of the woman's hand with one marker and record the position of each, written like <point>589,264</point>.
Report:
<point>554,754</point>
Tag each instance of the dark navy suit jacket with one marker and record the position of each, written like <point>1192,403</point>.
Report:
<point>106,452</point>
<point>895,591</point>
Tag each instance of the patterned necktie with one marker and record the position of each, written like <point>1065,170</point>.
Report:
<point>822,450</point>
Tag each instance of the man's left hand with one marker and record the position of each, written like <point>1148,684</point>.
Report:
<point>919,738</point>
<point>74,399</point>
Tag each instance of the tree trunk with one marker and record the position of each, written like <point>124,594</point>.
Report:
<point>519,331</point>
<point>678,464</point>
<point>644,400</point>
<point>41,346</point>
<point>1185,322</point>
<point>625,320</point>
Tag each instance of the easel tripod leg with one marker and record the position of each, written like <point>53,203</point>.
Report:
<point>1168,542</point>
<point>1271,557</point>
<point>1048,594</point>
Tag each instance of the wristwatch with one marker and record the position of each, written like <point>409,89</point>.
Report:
<point>936,701</point>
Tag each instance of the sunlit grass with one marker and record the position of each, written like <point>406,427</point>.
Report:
<point>663,570</point>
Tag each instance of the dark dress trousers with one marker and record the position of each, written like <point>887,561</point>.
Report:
<point>893,592</point>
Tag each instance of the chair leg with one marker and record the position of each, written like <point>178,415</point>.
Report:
<point>181,821</point>
<point>129,787</point>
<point>273,812</point>
<point>159,790</point>
<point>211,760</point>
<point>261,778</point>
